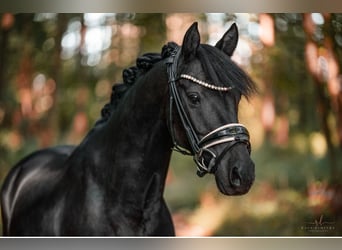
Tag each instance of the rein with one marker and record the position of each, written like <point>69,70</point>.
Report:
<point>231,134</point>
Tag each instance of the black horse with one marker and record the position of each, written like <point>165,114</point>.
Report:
<point>185,98</point>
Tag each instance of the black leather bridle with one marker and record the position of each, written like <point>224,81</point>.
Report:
<point>206,160</point>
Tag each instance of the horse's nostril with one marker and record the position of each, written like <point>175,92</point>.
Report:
<point>235,177</point>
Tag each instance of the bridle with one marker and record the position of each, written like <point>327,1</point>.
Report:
<point>232,134</point>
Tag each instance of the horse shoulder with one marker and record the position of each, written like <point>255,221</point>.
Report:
<point>32,175</point>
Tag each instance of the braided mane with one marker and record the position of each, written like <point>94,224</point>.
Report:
<point>130,75</point>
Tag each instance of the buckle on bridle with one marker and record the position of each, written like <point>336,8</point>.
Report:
<point>204,167</point>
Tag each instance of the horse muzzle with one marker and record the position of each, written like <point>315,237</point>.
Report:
<point>236,179</point>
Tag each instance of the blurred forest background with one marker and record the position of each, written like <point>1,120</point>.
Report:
<point>57,70</point>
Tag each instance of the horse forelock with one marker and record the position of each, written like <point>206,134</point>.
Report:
<point>222,71</point>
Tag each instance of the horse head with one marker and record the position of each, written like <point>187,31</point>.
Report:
<point>205,88</point>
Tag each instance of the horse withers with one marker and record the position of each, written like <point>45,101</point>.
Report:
<point>185,98</point>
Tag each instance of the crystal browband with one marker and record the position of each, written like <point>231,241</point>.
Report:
<point>205,84</point>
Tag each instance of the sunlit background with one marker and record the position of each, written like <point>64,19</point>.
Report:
<point>57,71</point>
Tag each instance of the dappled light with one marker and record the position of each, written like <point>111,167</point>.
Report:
<point>57,72</point>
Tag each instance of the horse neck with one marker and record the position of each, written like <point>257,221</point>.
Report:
<point>130,154</point>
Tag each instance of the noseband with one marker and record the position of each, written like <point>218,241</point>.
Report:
<point>231,134</point>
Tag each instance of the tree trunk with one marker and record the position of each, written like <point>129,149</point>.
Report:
<point>320,78</point>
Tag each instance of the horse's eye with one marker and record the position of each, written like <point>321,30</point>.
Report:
<point>194,98</point>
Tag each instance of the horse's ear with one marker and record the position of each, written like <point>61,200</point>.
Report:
<point>229,40</point>
<point>191,42</point>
